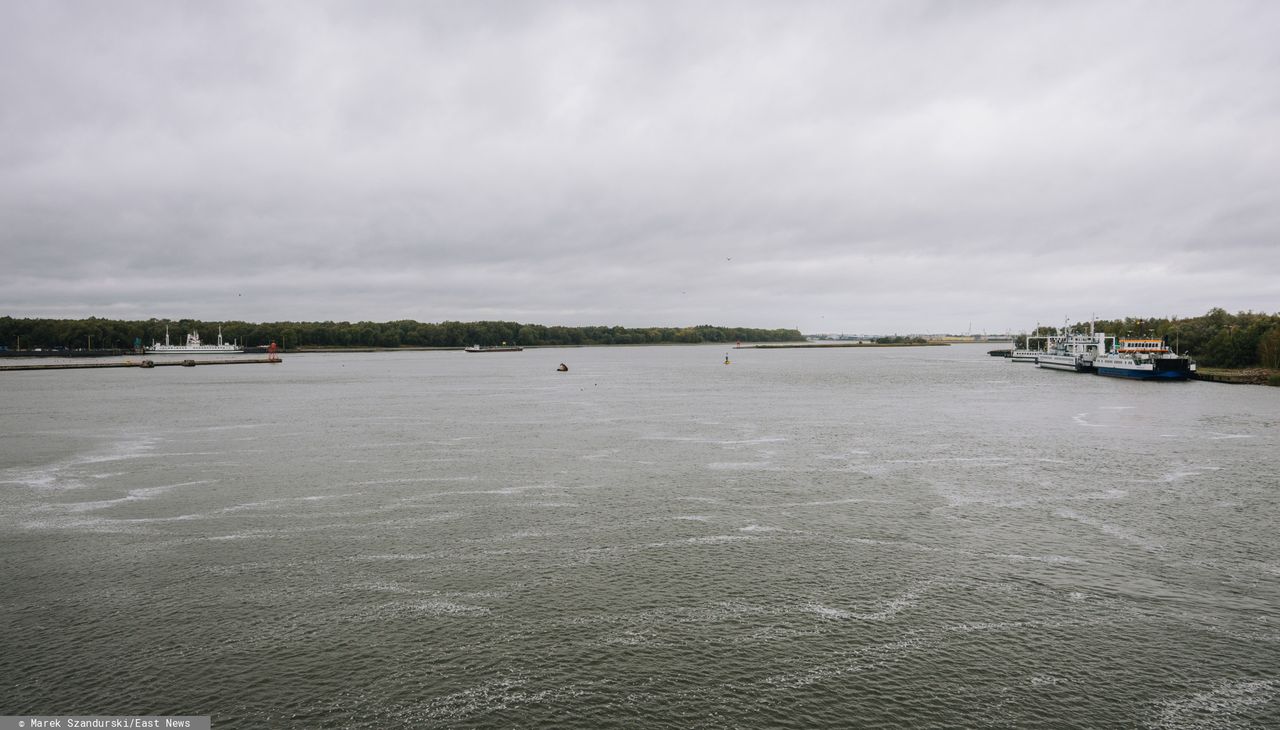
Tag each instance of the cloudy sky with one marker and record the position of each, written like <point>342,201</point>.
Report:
<point>831,166</point>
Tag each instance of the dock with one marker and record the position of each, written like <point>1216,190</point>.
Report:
<point>144,363</point>
<point>837,345</point>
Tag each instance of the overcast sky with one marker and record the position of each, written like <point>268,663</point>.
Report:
<point>830,166</point>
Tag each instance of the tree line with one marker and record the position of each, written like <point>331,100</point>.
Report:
<point>1216,339</point>
<point>96,333</point>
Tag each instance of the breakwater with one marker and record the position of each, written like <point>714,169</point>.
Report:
<point>817,346</point>
<point>137,364</point>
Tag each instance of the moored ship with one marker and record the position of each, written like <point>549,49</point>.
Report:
<point>1027,353</point>
<point>1073,352</point>
<point>193,346</point>
<point>493,348</point>
<point>1144,359</point>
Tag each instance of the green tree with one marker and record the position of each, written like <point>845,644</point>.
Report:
<point>1269,348</point>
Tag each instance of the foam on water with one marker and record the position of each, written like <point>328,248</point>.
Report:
<point>1034,558</point>
<point>280,502</point>
<point>955,553</point>
<point>485,698</point>
<point>866,659</point>
<point>99,524</point>
<point>707,540</point>
<point>761,528</point>
<point>1174,476</point>
<point>889,608</point>
<point>827,612</point>
<point>605,454</point>
<point>717,442</point>
<point>1221,706</point>
<point>397,557</point>
<point>816,503</point>
<point>440,608</point>
<point>139,447</point>
<point>1110,529</point>
<point>133,495</point>
<point>1081,419</point>
<point>416,480</point>
<point>951,459</point>
<point>64,474</point>
<point>740,465</point>
<point>1106,494</point>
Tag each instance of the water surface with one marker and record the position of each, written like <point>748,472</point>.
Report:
<point>925,536</point>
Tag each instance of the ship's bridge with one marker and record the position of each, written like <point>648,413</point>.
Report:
<point>1141,346</point>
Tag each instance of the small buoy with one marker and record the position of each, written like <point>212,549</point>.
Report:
<point>563,368</point>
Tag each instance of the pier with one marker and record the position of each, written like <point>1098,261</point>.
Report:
<point>837,345</point>
<point>144,363</point>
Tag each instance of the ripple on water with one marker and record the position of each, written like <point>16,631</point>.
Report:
<point>133,495</point>
<point>720,574</point>
<point>1226,705</point>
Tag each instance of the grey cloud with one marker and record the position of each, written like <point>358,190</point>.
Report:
<point>865,166</point>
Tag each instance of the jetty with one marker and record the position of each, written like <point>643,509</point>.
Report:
<point>144,363</point>
<point>838,345</point>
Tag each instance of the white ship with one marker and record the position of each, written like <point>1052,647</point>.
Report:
<point>1144,359</point>
<point>1029,353</point>
<point>1074,352</point>
<point>193,346</point>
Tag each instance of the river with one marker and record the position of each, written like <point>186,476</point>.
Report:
<point>924,537</point>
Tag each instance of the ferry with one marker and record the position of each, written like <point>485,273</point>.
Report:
<point>1073,352</point>
<point>1028,353</point>
<point>1144,359</point>
<point>193,346</point>
<point>493,348</point>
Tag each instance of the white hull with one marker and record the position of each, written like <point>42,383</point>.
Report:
<point>1072,352</point>
<point>1145,360</point>
<point>1060,362</point>
<point>196,350</point>
<point>193,346</point>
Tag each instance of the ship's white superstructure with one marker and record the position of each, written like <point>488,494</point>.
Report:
<point>1144,359</point>
<point>1074,352</point>
<point>193,346</point>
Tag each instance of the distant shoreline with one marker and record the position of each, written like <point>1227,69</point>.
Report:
<point>816,346</point>
<point>454,348</point>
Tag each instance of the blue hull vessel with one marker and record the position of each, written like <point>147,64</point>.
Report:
<point>1142,374</point>
<point>1144,359</point>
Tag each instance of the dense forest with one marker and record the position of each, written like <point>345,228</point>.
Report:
<point>94,333</point>
<point>1217,339</point>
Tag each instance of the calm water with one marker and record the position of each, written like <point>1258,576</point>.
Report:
<point>923,537</point>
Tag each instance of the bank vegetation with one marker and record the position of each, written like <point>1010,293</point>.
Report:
<point>1217,339</point>
<point>96,333</point>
